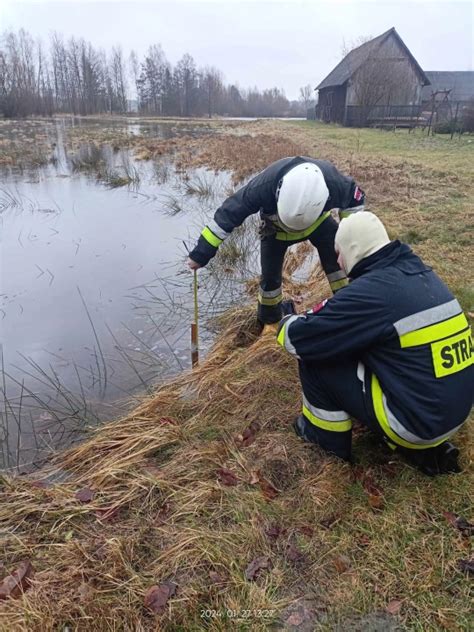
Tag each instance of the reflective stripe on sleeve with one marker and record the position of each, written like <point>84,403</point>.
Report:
<point>211,238</point>
<point>217,230</point>
<point>283,338</point>
<point>432,333</point>
<point>284,236</point>
<point>332,420</point>
<point>394,429</point>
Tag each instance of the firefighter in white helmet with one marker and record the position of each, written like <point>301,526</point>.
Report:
<point>294,197</point>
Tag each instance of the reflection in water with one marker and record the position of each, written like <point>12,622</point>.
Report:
<point>95,299</point>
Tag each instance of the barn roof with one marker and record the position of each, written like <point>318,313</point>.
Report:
<point>356,57</point>
<point>460,82</point>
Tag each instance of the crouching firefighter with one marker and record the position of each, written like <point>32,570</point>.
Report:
<point>294,197</point>
<point>393,350</point>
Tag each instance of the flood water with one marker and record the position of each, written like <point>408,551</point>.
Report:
<point>95,298</point>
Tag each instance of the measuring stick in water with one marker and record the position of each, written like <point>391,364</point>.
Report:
<point>194,326</point>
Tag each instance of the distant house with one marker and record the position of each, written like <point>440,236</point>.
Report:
<point>449,95</point>
<point>376,82</point>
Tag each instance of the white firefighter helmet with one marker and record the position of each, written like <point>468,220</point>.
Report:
<point>301,196</point>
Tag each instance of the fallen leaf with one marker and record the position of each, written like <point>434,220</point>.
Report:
<point>393,607</point>
<point>85,495</point>
<point>370,486</point>
<point>342,563</point>
<point>107,514</point>
<point>293,553</point>
<point>157,597</point>
<point>254,477</point>
<point>363,540</point>
<point>168,421</point>
<point>257,565</point>
<point>460,523</point>
<point>85,592</point>
<point>306,530</point>
<point>467,566</point>
<point>216,578</point>
<point>248,436</point>
<point>273,531</point>
<point>300,613</point>
<point>374,492</point>
<point>267,488</point>
<point>16,583</point>
<point>163,513</point>
<point>226,477</point>
<point>328,522</point>
<point>376,501</point>
<point>152,470</point>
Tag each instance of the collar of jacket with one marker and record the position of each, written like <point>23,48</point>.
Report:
<point>395,254</point>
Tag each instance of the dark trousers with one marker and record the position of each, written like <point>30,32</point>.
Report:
<point>272,255</point>
<point>332,393</point>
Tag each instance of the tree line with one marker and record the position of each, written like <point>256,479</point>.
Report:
<point>75,77</point>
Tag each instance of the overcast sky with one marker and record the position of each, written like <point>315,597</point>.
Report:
<point>263,43</point>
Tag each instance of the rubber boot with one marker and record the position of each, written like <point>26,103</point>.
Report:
<point>304,429</point>
<point>443,459</point>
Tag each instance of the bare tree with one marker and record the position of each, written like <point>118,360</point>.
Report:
<point>212,83</point>
<point>347,47</point>
<point>75,77</point>
<point>119,79</point>
<point>307,96</point>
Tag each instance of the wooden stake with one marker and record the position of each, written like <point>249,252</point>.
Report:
<point>194,326</point>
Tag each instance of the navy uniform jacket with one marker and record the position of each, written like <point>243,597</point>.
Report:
<point>401,321</point>
<point>260,195</point>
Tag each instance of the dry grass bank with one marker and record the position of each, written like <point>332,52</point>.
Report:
<point>205,492</point>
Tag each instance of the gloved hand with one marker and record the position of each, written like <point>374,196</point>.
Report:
<point>266,228</point>
<point>288,307</point>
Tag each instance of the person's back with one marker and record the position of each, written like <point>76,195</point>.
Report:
<point>420,356</point>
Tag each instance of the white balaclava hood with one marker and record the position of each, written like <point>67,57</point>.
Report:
<point>359,236</point>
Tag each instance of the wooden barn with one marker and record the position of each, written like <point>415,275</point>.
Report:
<point>379,82</point>
<point>449,93</point>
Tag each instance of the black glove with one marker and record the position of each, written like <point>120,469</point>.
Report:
<point>267,228</point>
<point>288,307</point>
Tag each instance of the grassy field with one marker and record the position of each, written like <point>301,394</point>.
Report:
<point>202,511</point>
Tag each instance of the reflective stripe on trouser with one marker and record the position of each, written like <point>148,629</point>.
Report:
<point>272,254</point>
<point>270,297</point>
<point>330,421</point>
<point>393,429</point>
<point>323,240</point>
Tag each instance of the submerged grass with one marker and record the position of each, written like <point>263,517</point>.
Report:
<point>162,511</point>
